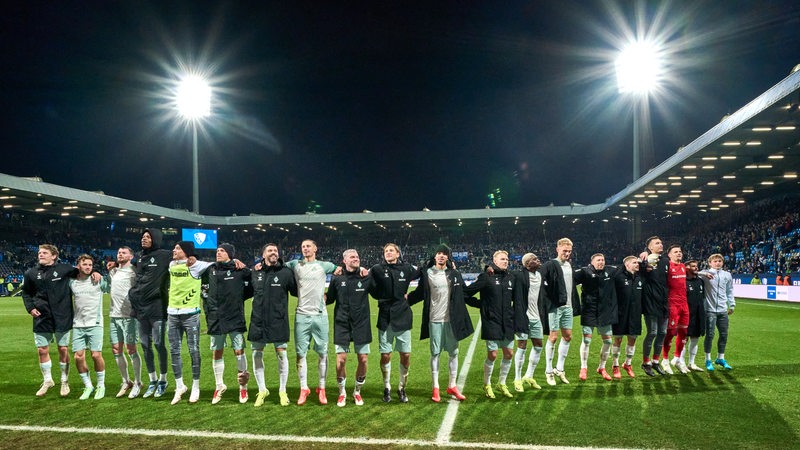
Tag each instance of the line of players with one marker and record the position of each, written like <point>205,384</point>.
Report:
<point>165,291</point>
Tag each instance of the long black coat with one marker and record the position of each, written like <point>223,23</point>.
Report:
<point>269,319</point>
<point>521,303</point>
<point>391,284</point>
<point>149,294</point>
<point>555,291</point>
<point>496,303</point>
<point>629,303</point>
<point>224,305</point>
<point>351,314</point>
<point>695,297</point>
<point>598,296</point>
<point>46,288</point>
<point>460,322</point>
<point>654,294</point>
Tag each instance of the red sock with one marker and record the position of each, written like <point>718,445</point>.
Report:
<point>668,342</point>
<point>680,342</point>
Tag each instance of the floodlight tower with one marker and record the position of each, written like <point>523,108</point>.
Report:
<point>194,102</point>
<point>639,70</point>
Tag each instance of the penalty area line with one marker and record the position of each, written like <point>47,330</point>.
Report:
<point>278,438</point>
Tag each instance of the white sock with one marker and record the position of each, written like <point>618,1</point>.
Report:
<point>548,356</point>
<point>122,364</point>
<point>219,370</point>
<point>302,372</point>
<point>519,361</point>
<point>64,371</point>
<point>322,369</point>
<point>505,367</point>
<point>283,370</point>
<point>153,376</point>
<point>453,365</point>
<point>342,385</point>
<point>533,361</point>
<point>720,355</point>
<point>693,344</point>
<point>435,370</point>
<point>195,386</point>
<point>403,376</point>
<point>163,377</point>
<point>86,380</point>
<point>584,355</point>
<point>563,350</point>
<point>488,368</point>
<point>136,362</point>
<point>708,356</point>
<point>241,366</point>
<point>45,368</point>
<point>615,355</point>
<point>604,354</point>
<point>258,370</point>
<point>179,383</point>
<point>359,384</point>
<point>629,352</point>
<point>386,370</point>
<point>101,378</point>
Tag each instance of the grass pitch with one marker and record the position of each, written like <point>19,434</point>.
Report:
<point>757,405</point>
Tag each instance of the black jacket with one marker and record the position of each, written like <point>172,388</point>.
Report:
<point>149,294</point>
<point>46,288</point>
<point>629,303</point>
<point>351,314</point>
<point>521,303</point>
<point>269,320</point>
<point>695,297</point>
<point>460,322</point>
<point>654,293</point>
<point>224,305</point>
<point>555,291</point>
<point>391,287</point>
<point>598,296</point>
<point>496,303</point>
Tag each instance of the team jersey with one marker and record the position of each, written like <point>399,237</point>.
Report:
<point>88,298</point>
<point>121,282</point>
<point>676,283</point>
<point>311,277</point>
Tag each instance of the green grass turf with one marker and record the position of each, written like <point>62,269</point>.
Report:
<point>755,405</point>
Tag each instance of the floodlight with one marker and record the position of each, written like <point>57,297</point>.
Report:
<point>639,67</point>
<point>194,97</point>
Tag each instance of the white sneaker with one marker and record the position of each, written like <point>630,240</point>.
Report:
<point>221,388</point>
<point>551,380</point>
<point>123,389</point>
<point>694,367</point>
<point>666,367</point>
<point>135,390</point>
<point>45,386</point>
<point>560,374</point>
<point>64,388</point>
<point>195,395</point>
<point>179,391</point>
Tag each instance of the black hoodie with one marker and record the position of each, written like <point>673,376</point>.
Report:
<point>46,288</point>
<point>149,294</point>
<point>496,303</point>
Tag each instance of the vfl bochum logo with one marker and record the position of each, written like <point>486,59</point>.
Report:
<point>199,238</point>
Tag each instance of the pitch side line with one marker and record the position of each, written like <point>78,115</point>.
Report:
<point>446,429</point>
<point>282,438</point>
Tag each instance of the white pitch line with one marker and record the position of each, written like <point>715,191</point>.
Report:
<point>282,438</point>
<point>446,429</point>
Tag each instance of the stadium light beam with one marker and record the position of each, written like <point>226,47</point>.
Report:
<point>639,71</point>
<point>194,103</point>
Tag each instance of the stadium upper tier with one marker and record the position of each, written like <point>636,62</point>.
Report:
<point>750,155</point>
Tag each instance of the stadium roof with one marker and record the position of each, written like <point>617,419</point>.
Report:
<point>751,154</point>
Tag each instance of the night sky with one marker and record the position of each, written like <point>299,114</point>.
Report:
<point>383,106</point>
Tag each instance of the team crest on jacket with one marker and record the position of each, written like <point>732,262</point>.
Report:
<point>509,283</point>
<point>228,273</point>
<point>275,279</point>
<point>152,260</point>
<point>402,274</point>
<point>359,284</point>
<point>55,274</point>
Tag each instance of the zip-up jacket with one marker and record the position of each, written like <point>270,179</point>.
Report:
<point>228,288</point>
<point>629,303</point>
<point>351,314</point>
<point>46,288</point>
<point>598,296</point>
<point>269,319</point>
<point>719,290</point>
<point>654,294</point>
<point>391,284</point>
<point>149,294</point>
<point>496,303</point>
<point>521,303</point>
<point>555,290</point>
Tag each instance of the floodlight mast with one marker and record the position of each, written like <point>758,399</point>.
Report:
<point>194,103</point>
